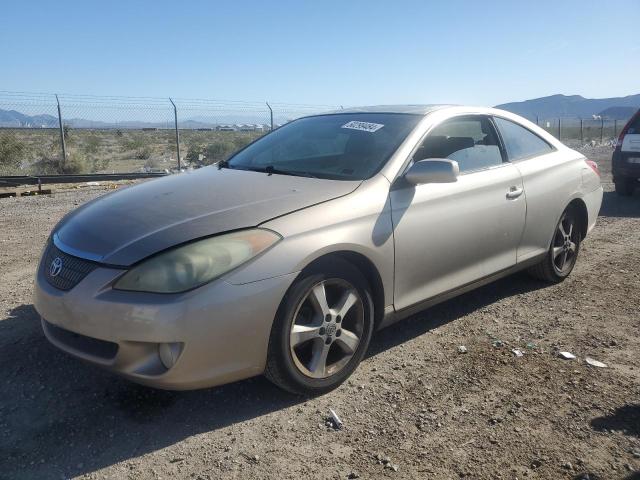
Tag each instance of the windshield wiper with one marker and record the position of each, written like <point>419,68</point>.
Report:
<point>270,170</point>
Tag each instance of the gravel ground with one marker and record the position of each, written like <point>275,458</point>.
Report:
<point>416,407</point>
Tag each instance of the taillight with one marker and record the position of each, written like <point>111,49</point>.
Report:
<point>625,129</point>
<point>594,166</point>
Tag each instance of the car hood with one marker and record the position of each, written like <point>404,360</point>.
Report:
<point>128,225</point>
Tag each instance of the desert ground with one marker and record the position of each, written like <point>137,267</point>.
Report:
<point>415,408</point>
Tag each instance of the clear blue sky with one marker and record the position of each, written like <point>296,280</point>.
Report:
<point>326,52</point>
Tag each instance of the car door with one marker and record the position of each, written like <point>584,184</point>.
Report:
<point>450,234</point>
<point>549,178</point>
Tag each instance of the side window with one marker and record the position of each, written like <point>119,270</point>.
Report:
<point>634,125</point>
<point>520,142</point>
<point>470,141</point>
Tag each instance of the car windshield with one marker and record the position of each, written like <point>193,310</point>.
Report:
<point>340,146</point>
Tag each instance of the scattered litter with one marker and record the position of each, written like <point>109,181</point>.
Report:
<point>335,419</point>
<point>92,184</point>
<point>462,349</point>
<point>498,343</point>
<point>517,352</point>
<point>386,461</point>
<point>566,355</point>
<point>531,345</point>
<point>595,363</point>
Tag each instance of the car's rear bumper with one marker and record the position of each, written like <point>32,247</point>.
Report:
<point>220,331</point>
<point>620,166</point>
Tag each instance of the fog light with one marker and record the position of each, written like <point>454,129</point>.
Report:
<point>169,353</point>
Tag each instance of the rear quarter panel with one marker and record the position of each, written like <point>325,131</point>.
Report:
<point>551,182</point>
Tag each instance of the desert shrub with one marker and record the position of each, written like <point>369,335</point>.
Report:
<point>218,150</point>
<point>98,164</point>
<point>52,165</point>
<point>193,154</point>
<point>152,164</point>
<point>241,141</point>
<point>212,153</point>
<point>143,153</point>
<point>92,144</point>
<point>133,142</point>
<point>12,153</point>
<point>139,145</point>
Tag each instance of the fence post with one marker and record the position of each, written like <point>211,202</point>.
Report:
<point>175,120</point>
<point>581,133</point>
<point>615,128</point>
<point>558,128</point>
<point>537,120</point>
<point>271,114</point>
<point>62,142</point>
<point>601,129</point>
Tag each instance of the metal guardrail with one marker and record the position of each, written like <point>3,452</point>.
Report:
<point>16,180</point>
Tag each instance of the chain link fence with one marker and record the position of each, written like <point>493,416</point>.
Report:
<point>583,132</point>
<point>44,134</point>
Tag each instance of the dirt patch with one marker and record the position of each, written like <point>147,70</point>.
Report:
<point>416,407</point>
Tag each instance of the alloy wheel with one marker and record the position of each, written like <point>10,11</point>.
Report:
<point>565,244</point>
<point>327,327</point>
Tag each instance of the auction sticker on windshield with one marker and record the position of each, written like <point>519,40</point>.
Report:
<point>364,126</point>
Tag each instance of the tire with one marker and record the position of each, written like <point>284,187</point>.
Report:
<point>625,186</point>
<point>304,329</point>
<point>564,245</point>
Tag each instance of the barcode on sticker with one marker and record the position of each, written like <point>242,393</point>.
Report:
<point>364,126</point>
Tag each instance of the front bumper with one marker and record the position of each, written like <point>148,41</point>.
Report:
<point>221,330</point>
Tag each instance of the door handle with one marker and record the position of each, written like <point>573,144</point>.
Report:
<point>514,192</point>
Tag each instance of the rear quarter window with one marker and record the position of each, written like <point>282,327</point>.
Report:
<point>520,142</point>
<point>634,125</point>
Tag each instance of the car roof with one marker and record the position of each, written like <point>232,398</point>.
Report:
<point>414,109</point>
<point>424,110</point>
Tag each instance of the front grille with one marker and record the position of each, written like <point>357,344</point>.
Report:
<point>71,269</point>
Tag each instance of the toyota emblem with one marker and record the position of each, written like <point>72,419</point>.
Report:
<point>56,267</point>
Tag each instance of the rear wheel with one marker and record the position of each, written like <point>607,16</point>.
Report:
<point>625,186</point>
<point>563,252</point>
<point>322,329</point>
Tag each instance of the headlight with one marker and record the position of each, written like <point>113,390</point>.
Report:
<point>196,263</point>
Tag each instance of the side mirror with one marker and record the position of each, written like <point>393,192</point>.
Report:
<point>433,170</point>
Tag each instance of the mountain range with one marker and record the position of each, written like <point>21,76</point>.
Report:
<point>554,106</point>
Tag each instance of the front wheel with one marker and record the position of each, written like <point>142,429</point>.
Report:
<point>322,329</point>
<point>563,252</point>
